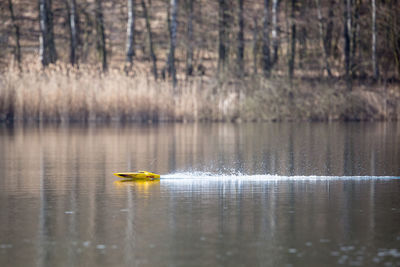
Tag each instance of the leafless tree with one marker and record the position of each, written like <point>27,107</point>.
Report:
<point>292,55</point>
<point>47,49</point>
<point>347,40</point>
<point>17,52</point>
<point>275,31</point>
<point>173,31</point>
<point>150,38</point>
<point>130,33</point>
<point>375,69</point>
<point>240,39</point>
<point>73,30</point>
<point>189,49</point>
<point>321,38</point>
<point>222,34</point>
<point>266,53</point>
<point>100,35</point>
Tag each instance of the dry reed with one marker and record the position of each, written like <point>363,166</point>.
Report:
<point>64,94</point>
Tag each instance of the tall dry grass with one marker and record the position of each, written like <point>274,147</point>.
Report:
<point>64,94</point>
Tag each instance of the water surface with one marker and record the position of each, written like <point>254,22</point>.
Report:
<point>283,194</point>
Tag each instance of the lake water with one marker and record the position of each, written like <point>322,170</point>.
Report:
<point>273,194</point>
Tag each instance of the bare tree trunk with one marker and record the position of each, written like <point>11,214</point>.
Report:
<point>375,68</point>
<point>329,29</point>
<point>17,52</point>
<point>87,32</point>
<point>222,24</point>
<point>240,39</point>
<point>43,47</point>
<point>167,67</point>
<point>393,32</point>
<point>189,51</point>
<point>355,29</point>
<point>174,26</point>
<point>321,36</point>
<point>302,50</point>
<point>73,30</point>
<point>52,46</point>
<point>292,55</point>
<point>347,41</point>
<point>266,54</point>
<point>101,38</point>
<point>255,46</point>
<point>150,38</point>
<point>275,31</point>
<point>302,35</point>
<point>130,33</point>
<point>47,52</point>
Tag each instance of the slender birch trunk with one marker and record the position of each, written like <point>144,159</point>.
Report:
<point>275,31</point>
<point>240,39</point>
<point>150,39</point>
<point>47,52</point>
<point>101,38</point>
<point>355,31</point>
<point>43,44</point>
<point>174,26</point>
<point>292,55</point>
<point>375,68</point>
<point>73,30</point>
<point>189,51</point>
<point>222,23</point>
<point>266,54</point>
<point>52,46</point>
<point>321,38</point>
<point>329,29</point>
<point>167,68</point>
<point>347,41</point>
<point>301,35</point>
<point>17,51</point>
<point>255,46</point>
<point>130,33</point>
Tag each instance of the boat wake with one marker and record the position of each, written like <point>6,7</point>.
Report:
<point>265,177</point>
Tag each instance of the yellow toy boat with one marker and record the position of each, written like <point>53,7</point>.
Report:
<point>140,175</point>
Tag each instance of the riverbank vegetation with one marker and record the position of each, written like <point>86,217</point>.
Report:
<point>271,60</point>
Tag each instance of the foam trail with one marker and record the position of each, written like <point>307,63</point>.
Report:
<point>265,177</point>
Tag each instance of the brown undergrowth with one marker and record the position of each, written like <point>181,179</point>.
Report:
<point>64,94</point>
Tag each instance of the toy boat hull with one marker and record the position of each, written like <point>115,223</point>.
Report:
<point>141,175</point>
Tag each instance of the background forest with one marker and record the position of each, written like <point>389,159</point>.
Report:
<point>187,60</point>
